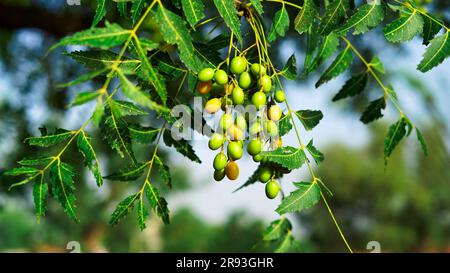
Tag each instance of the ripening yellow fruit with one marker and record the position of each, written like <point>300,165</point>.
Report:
<point>235,133</point>
<point>232,170</point>
<point>274,113</point>
<point>213,105</point>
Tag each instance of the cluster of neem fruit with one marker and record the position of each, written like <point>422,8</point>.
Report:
<point>245,85</point>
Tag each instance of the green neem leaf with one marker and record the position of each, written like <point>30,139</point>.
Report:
<point>422,142</point>
<point>404,28</point>
<point>85,147</point>
<point>193,10</point>
<point>431,27</point>
<point>436,53</point>
<point>136,9</point>
<point>227,10</point>
<point>315,153</point>
<point>42,160</point>
<point>307,195</point>
<point>130,173</point>
<point>182,146</point>
<point>84,97</point>
<point>252,179</point>
<point>280,25</point>
<point>115,131</point>
<point>366,17</point>
<point>125,108</point>
<point>170,69</point>
<point>288,244</point>
<point>29,171</point>
<point>143,135</point>
<point>312,47</point>
<point>335,13</point>
<point>100,12</point>
<point>109,36</point>
<point>288,157</point>
<point>290,68</point>
<point>284,125</point>
<point>373,110</point>
<point>123,208</point>
<point>277,229</point>
<point>164,172</point>
<point>306,17</point>
<point>328,46</point>
<point>142,212</point>
<point>49,140</point>
<point>309,118</point>
<point>40,194</point>
<point>84,78</point>
<point>258,6</point>
<point>354,86</point>
<point>395,134</point>
<point>377,64</point>
<point>339,65</point>
<point>63,188</point>
<point>122,7</point>
<point>174,31</point>
<point>158,203</point>
<point>101,59</point>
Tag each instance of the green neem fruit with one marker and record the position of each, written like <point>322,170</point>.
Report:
<point>226,121</point>
<point>221,77</point>
<point>238,65</point>
<point>234,150</point>
<point>271,128</point>
<point>245,80</point>
<point>206,75</point>
<point>265,175</point>
<point>258,69</point>
<point>219,175</point>
<point>259,99</point>
<point>255,128</point>
<point>232,170</point>
<point>266,83</point>
<point>257,158</point>
<point>272,189</point>
<point>220,161</point>
<point>254,147</point>
<point>279,96</point>
<point>241,122</point>
<point>238,95</point>
<point>216,141</point>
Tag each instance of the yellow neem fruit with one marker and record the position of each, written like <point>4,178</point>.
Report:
<point>235,132</point>
<point>213,105</point>
<point>274,113</point>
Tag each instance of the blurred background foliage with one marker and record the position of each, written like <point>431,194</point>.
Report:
<point>405,206</point>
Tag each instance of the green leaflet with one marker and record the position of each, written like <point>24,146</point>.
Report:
<point>228,11</point>
<point>395,134</point>
<point>40,194</point>
<point>288,244</point>
<point>290,68</point>
<point>123,208</point>
<point>136,9</point>
<point>109,36</point>
<point>422,142</point>
<point>85,147</point>
<point>84,97</point>
<point>315,153</point>
<point>61,175</point>
<point>306,17</point>
<point>193,10</point>
<point>142,212</point>
<point>42,160</point>
<point>182,146</point>
<point>327,47</point>
<point>366,17</point>
<point>100,12</point>
<point>404,28</point>
<point>164,172</point>
<point>84,78</point>
<point>354,86</point>
<point>307,195</point>
<point>436,53</point>
<point>277,229</point>
<point>373,110</point>
<point>49,140</point>
<point>280,25</point>
<point>312,47</point>
<point>335,13</point>
<point>130,173</point>
<point>258,6</point>
<point>377,64</point>
<point>101,59</point>
<point>339,65</point>
<point>174,31</point>
<point>29,171</point>
<point>125,108</point>
<point>309,118</point>
<point>288,157</point>
<point>252,179</point>
<point>115,131</point>
<point>122,7</point>
<point>284,125</point>
<point>143,135</point>
<point>431,27</point>
<point>158,203</point>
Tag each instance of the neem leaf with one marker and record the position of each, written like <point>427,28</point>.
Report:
<point>307,195</point>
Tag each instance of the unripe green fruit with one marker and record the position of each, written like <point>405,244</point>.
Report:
<point>258,69</point>
<point>232,170</point>
<point>271,128</point>
<point>274,113</point>
<point>220,161</point>
<point>216,141</point>
<point>238,65</point>
<point>254,147</point>
<point>206,75</point>
<point>255,128</point>
<point>259,99</point>
<point>238,96</point>
<point>241,122</point>
<point>272,189</point>
<point>257,158</point>
<point>226,121</point>
<point>280,96</point>
<point>265,175</point>
<point>266,83</point>
<point>221,77</point>
<point>234,150</point>
<point>219,175</point>
<point>245,80</point>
